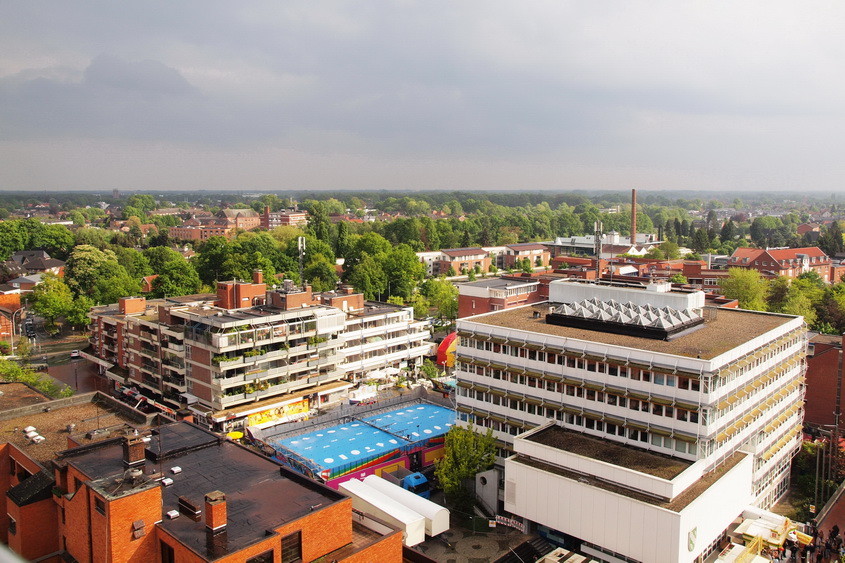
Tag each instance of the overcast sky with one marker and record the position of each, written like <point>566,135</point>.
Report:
<point>422,95</point>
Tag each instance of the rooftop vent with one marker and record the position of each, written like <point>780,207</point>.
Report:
<point>624,318</point>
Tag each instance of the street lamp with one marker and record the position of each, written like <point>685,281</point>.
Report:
<point>13,328</point>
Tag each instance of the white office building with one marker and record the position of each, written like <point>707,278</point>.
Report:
<point>714,393</point>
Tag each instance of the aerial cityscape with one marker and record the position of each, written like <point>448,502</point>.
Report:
<point>421,282</point>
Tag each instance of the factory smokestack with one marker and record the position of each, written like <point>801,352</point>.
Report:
<point>634,217</point>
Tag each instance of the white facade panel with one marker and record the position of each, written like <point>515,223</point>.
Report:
<point>639,530</point>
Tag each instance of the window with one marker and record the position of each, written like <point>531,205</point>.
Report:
<point>167,552</point>
<point>266,557</point>
<point>13,526</point>
<point>100,505</point>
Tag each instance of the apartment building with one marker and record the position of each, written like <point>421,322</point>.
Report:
<point>462,260</point>
<point>646,367</point>
<point>537,254</point>
<point>787,262</point>
<point>246,355</point>
<point>379,336</point>
<point>180,493</point>
<point>289,217</point>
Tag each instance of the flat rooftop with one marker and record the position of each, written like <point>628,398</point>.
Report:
<point>500,283</point>
<point>722,331</point>
<point>94,422</point>
<point>641,464</point>
<point>629,457</point>
<point>15,395</point>
<point>260,494</point>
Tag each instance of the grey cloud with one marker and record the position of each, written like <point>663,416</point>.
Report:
<point>657,83</point>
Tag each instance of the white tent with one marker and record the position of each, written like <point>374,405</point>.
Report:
<point>436,516</point>
<point>374,503</point>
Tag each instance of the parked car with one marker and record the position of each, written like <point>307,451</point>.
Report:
<point>74,354</point>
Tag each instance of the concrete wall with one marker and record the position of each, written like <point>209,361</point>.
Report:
<point>563,291</point>
<point>619,523</point>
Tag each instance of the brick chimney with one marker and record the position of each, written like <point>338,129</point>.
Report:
<point>257,276</point>
<point>215,511</point>
<point>132,305</point>
<point>133,451</point>
<point>633,217</point>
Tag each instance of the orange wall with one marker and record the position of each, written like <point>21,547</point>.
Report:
<point>315,539</point>
<point>37,530</point>
<point>388,550</point>
<point>120,514</point>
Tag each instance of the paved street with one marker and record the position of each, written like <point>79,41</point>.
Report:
<point>79,374</point>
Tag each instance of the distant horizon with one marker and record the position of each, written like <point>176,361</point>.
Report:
<point>708,194</point>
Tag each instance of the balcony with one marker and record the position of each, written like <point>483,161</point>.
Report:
<point>175,382</point>
<point>177,331</point>
<point>149,336</point>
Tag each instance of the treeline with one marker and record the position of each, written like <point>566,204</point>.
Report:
<point>822,305</point>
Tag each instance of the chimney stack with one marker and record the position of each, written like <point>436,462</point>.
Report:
<point>633,217</point>
<point>257,276</point>
<point>215,511</point>
<point>134,451</point>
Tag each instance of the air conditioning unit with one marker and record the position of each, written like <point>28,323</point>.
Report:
<point>167,481</point>
<point>176,470</point>
<point>172,514</point>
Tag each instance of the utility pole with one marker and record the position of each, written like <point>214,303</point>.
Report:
<point>301,246</point>
<point>598,235</point>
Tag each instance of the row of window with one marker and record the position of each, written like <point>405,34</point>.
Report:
<point>636,374</point>
<point>615,370</point>
<point>683,415</point>
<point>727,377</point>
<point>592,426</point>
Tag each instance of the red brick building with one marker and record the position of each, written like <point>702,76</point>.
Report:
<point>536,253</point>
<point>495,294</point>
<point>824,380</point>
<point>461,260</point>
<point>179,493</point>
<point>786,262</point>
<point>270,220</point>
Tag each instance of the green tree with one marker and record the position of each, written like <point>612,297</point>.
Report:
<point>159,256</point>
<point>420,304</point>
<point>144,202</point>
<point>747,286</point>
<point>92,236</point>
<point>404,271</point>
<point>341,245</point>
<point>318,223</point>
<point>443,295</point>
<point>830,241</point>
<point>210,258</point>
<point>50,299</point>
<point>77,314</point>
<point>728,231</point>
<point>467,452</point>
<point>175,278</point>
<point>429,369</point>
<point>321,274</point>
<point>134,262</point>
<point>678,278</point>
<point>12,372</point>
<point>368,277</point>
